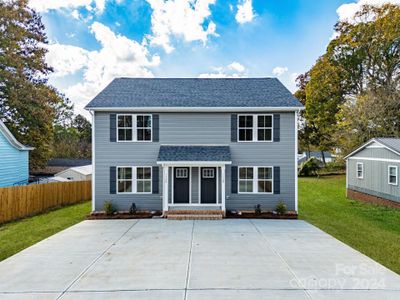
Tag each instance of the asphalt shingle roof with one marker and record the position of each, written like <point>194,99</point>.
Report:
<point>393,143</point>
<point>194,92</point>
<point>194,153</point>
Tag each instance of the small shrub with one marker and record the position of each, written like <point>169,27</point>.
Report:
<point>132,209</point>
<point>310,167</point>
<point>108,208</point>
<point>257,209</point>
<point>281,208</point>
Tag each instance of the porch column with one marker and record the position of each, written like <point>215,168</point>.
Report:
<point>223,189</point>
<point>165,188</point>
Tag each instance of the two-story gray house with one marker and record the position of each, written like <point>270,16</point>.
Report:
<point>220,144</point>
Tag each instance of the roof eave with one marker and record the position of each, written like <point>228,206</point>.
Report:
<point>194,163</point>
<point>197,109</point>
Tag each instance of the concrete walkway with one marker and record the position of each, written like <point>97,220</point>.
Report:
<point>164,259</point>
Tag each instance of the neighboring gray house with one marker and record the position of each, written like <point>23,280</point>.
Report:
<point>165,144</point>
<point>373,170</point>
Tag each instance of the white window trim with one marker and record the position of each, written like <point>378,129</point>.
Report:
<point>362,170</point>
<point>397,175</point>
<point>181,175</point>
<point>134,128</point>
<point>255,180</point>
<point>208,173</point>
<point>134,180</point>
<point>255,128</point>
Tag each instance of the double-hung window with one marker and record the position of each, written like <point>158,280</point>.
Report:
<point>133,128</point>
<point>256,180</point>
<point>360,170</point>
<point>392,175</point>
<point>125,128</point>
<point>255,128</point>
<point>124,180</point>
<point>134,180</point>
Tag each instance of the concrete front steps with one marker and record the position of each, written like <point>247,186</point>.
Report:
<point>195,215</point>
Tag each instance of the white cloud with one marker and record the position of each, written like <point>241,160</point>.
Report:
<point>233,70</point>
<point>46,5</point>
<point>278,71</point>
<point>66,59</point>
<point>245,12</point>
<point>118,56</point>
<point>75,14</point>
<point>180,18</point>
<point>346,12</point>
<point>236,67</point>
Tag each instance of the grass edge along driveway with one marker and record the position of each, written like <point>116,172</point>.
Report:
<point>371,229</point>
<point>18,235</point>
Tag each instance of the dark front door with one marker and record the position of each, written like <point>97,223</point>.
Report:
<point>181,185</point>
<point>209,185</point>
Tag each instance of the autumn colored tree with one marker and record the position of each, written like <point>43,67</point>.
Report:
<point>29,106</point>
<point>357,77</point>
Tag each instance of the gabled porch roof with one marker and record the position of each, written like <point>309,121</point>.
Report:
<point>194,154</point>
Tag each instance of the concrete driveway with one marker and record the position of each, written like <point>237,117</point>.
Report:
<point>164,259</point>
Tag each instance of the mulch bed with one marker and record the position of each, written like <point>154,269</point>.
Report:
<point>124,215</point>
<point>290,215</point>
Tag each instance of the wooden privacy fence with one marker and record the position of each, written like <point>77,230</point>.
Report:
<point>21,201</point>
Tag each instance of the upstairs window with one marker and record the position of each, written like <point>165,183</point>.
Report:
<point>125,128</point>
<point>392,175</point>
<point>143,125</point>
<point>255,128</point>
<point>360,170</point>
<point>132,128</point>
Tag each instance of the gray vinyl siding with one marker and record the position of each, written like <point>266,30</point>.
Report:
<point>375,181</point>
<point>377,153</point>
<point>196,128</point>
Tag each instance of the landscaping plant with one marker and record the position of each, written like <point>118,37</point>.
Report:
<point>281,208</point>
<point>108,208</point>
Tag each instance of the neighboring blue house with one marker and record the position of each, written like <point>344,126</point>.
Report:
<point>14,162</point>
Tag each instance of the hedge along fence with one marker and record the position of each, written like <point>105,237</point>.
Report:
<point>20,201</point>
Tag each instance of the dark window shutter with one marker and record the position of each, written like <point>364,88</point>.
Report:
<point>277,127</point>
<point>277,180</point>
<point>234,179</point>
<point>155,178</point>
<point>156,128</point>
<point>234,127</point>
<point>113,127</point>
<point>113,180</point>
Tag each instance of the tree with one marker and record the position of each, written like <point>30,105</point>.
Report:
<point>73,140</point>
<point>324,95</point>
<point>352,92</point>
<point>28,104</point>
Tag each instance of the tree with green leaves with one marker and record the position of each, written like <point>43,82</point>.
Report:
<point>29,106</point>
<point>352,93</point>
<point>73,140</point>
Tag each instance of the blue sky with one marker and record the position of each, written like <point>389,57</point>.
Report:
<point>93,41</point>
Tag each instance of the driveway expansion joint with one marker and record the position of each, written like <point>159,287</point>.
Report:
<point>282,259</point>
<point>95,260</point>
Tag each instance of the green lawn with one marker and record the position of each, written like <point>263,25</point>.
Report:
<point>371,229</point>
<point>18,235</point>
